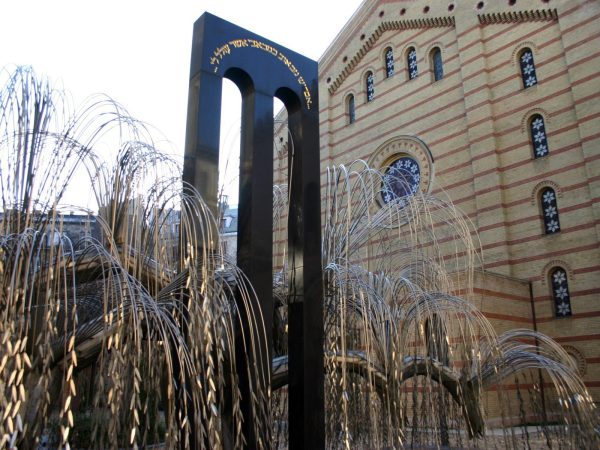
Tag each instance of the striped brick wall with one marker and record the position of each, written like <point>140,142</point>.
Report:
<point>475,122</point>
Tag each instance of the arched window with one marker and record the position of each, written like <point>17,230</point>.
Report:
<point>539,140</point>
<point>411,63</point>
<point>560,292</point>
<point>401,179</point>
<point>527,68</point>
<point>370,84</point>
<point>389,62</point>
<point>350,108</point>
<point>436,64</point>
<point>549,211</point>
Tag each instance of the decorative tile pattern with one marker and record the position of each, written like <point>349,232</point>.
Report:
<point>528,69</point>
<point>370,86</point>
<point>413,70</point>
<point>550,211</point>
<point>560,293</point>
<point>537,128</point>
<point>401,179</point>
<point>389,63</point>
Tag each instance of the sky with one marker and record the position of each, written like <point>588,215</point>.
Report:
<point>138,52</point>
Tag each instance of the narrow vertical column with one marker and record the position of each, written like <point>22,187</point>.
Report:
<point>200,170</point>
<point>305,311</point>
<point>255,211</point>
<point>201,157</point>
<point>255,242</point>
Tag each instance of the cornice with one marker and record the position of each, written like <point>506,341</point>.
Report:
<point>537,15</point>
<point>409,24</point>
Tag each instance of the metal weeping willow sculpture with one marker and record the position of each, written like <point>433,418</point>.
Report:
<point>410,363</point>
<point>145,333</point>
<point>127,338</point>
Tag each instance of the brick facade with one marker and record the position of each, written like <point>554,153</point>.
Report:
<point>476,122</point>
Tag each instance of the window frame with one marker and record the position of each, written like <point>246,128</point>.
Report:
<point>435,64</point>
<point>411,182</point>
<point>369,81</point>
<point>409,54</point>
<point>527,71</point>
<point>388,60</point>
<point>549,209</point>
<point>538,136</point>
<point>350,108</point>
<point>561,297</point>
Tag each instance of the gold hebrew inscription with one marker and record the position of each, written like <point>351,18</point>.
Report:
<point>224,50</point>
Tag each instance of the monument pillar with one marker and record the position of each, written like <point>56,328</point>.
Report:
<point>305,304</point>
<point>262,70</point>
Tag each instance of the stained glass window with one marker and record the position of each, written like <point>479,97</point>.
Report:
<point>401,179</point>
<point>560,292</point>
<point>370,80</point>
<point>351,109</point>
<point>436,59</point>
<point>411,63</point>
<point>389,62</point>
<point>550,211</point>
<point>527,68</point>
<point>539,140</point>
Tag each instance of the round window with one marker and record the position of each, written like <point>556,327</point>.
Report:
<point>402,178</point>
<point>406,165</point>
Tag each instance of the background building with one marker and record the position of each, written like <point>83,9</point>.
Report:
<point>228,231</point>
<point>496,104</point>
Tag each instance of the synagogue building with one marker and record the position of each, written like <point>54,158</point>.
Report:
<point>495,105</point>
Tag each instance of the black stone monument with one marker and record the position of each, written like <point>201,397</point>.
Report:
<point>262,69</point>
